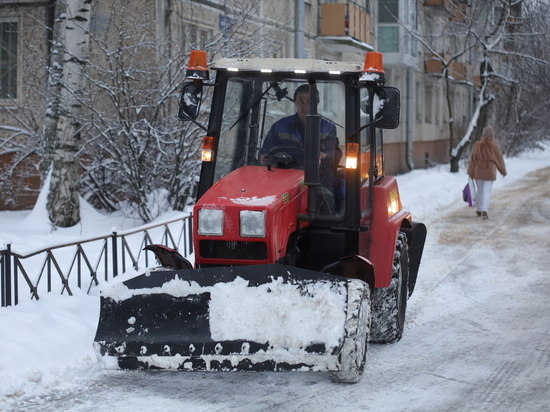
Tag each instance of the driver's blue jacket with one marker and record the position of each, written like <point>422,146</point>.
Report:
<point>289,131</point>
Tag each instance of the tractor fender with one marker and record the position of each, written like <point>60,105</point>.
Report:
<point>353,267</point>
<point>388,219</point>
<point>416,237</point>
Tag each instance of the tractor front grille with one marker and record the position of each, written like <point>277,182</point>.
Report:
<point>233,250</point>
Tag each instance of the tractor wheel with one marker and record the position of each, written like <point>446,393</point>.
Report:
<point>354,349</point>
<point>390,304</point>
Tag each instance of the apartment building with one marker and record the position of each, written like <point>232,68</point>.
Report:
<point>329,30</point>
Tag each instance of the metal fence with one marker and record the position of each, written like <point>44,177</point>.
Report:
<point>85,263</point>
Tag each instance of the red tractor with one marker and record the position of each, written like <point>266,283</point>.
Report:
<point>303,251</point>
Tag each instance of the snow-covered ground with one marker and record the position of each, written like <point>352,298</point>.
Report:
<point>46,345</point>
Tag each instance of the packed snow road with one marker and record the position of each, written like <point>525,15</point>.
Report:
<point>477,335</point>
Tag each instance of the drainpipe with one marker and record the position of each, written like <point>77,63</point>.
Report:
<point>410,113</point>
<point>299,24</point>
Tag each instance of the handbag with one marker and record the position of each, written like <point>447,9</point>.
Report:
<point>469,193</point>
<point>466,193</point>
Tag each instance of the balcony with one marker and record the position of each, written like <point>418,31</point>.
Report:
<point>458,10</point>
<point>445,3</point>
<point>434,65</point>
<point>345,24</point>
<point>461,13</point>
<point>458,71</point>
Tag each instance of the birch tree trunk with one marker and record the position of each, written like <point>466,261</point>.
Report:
<point>63,198</point>
<point>55,83</point>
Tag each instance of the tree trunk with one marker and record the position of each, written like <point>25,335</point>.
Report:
<point>63,198</point>
<point>452,160</point>
<point>55,82</point>
<point>454,164</point>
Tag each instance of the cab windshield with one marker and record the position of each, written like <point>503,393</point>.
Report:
<point>263,122</point>
<point>251,108</point>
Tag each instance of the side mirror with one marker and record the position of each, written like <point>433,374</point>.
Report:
<point>190,100</point>
<point>388,117</point>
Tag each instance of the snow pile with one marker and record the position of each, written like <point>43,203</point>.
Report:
<point>255,313</point>
<point>46,344</point>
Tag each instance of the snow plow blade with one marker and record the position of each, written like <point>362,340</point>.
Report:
<point>244,318</point>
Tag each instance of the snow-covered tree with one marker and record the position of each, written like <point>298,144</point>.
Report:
<point>110,90</point>
<point>138,153</point>
<point>483,33</point>
<point>522,107</point>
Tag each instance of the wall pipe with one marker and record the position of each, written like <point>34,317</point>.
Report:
<point>410,113</point>
<point>299,24</point>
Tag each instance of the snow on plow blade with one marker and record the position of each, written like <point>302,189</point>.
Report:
<point>251,318</point>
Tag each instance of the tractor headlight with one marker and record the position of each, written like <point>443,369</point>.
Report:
<point>211,222</point>
<point>252,223</point>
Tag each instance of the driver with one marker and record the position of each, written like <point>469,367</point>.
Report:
<point>290,131</point>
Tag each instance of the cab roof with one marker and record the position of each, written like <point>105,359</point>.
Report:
<point>286,65</point>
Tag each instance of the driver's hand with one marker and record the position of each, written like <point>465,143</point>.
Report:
<point>264,159</point>
<point>322,156</point>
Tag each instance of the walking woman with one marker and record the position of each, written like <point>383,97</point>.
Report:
<point>486,158</point>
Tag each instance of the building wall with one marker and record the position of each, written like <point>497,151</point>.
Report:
<point>425,155</point>
<point>425,115</point>
<point>179,26</point>
<point>31,57</point>
<point>26,110</point>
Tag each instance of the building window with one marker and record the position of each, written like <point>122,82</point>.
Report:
<point>409,19</point>
<point>197,37</point>
<point>396,18</point>
<point>8,60</point>
<point>418,103</point>
<point>388,11</point>
<point>100,22</point>
<point>388,39</point>
<point>437,105</point>
<point>327,101</point>
<point>388,27</point>
<point>428,104</point>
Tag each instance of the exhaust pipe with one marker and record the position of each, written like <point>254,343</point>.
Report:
<point>312,150</point>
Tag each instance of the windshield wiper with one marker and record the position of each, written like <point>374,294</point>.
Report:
<point>273,85</point>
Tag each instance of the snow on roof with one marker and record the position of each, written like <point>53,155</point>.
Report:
<point>286,65</point>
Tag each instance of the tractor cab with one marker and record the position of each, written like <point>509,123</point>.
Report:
<point>321,117</point>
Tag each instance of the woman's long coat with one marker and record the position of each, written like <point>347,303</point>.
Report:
<point>485,160</point>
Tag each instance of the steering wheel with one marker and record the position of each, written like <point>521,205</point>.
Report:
<point>276,149</point>
<point>283,155</point>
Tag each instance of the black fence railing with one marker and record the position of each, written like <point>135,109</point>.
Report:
<point>85,263</point>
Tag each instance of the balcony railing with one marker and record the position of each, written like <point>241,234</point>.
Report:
<point>82,264</point>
